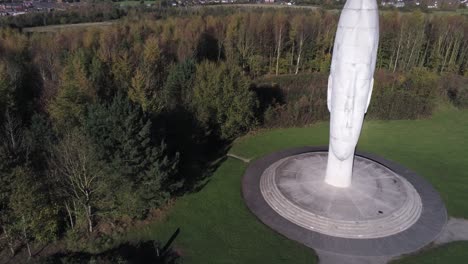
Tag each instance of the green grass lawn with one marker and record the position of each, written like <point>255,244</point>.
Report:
<point>456,252</point>
<point>57,28</point>
<point>436,148</point>
<point>216,226</point>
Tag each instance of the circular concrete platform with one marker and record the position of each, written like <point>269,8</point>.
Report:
<point>389,210</point>
<point>379,202</point>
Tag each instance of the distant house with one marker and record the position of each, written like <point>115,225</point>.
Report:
<point>18,13</point>
<point>28,4</point>
<point>386,3</point>
<point>434,4</point>
<point>394,3</point>
<point>12,6</point>
<point>12,9</point>
<point>269,1</point>
<point>45,6</point>
<point>399,4</point>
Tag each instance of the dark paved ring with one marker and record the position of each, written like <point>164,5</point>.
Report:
<point>425,230</point>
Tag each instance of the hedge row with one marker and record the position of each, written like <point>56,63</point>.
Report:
<point>295,100</point>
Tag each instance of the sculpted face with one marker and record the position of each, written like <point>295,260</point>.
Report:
<point>350,83</point>
<point>348,106</point>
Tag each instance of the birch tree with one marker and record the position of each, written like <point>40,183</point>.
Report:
<point>78,175</point>
<point>280,32</point>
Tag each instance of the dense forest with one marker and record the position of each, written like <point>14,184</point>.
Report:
<point>102,128</point>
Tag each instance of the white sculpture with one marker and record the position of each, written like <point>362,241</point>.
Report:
<point>350,85</point>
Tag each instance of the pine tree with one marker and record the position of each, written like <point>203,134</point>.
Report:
<point>122,135</point>
<point>179,84</point>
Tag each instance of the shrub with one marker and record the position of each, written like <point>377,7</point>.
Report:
<point>455,87</point>
<point>292,100</point>
<point>295,100</point>
<point>403,96</point>
<point>222,99</point>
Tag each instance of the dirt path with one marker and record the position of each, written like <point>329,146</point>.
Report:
<point>456,229</point>
<point>238,157</point>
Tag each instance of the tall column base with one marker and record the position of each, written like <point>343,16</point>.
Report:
<point>339,172</point>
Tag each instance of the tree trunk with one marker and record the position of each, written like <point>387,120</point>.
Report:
<point>70,217</point>
<point>299,52</point>
<point>89,218</point>
<point>411,54</point>
<point>10,127</point>
<point>447,51</point>
<point>25,237</point>
<point>455,51</point>
<point>438,51</point>
<point>463,52</point>
<point>423,60</point>
<point>9,241</point>
<point>398,50</point>
<point>279,49</point>
<point>379,54</point>
<point>220,46</point>
<point>292,57</point>
<point>391,60</point>
<point>270,62</point>
<point>75,209</point>
<point>29,249</point>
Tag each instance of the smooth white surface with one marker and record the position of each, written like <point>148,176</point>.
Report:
<point>350,85</point>
<point>379,204</point>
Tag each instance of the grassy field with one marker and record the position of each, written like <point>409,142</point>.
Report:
<point>435,148</point>
<point>456,252</point>
<point>55,28</point>
<point>216,227</point>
